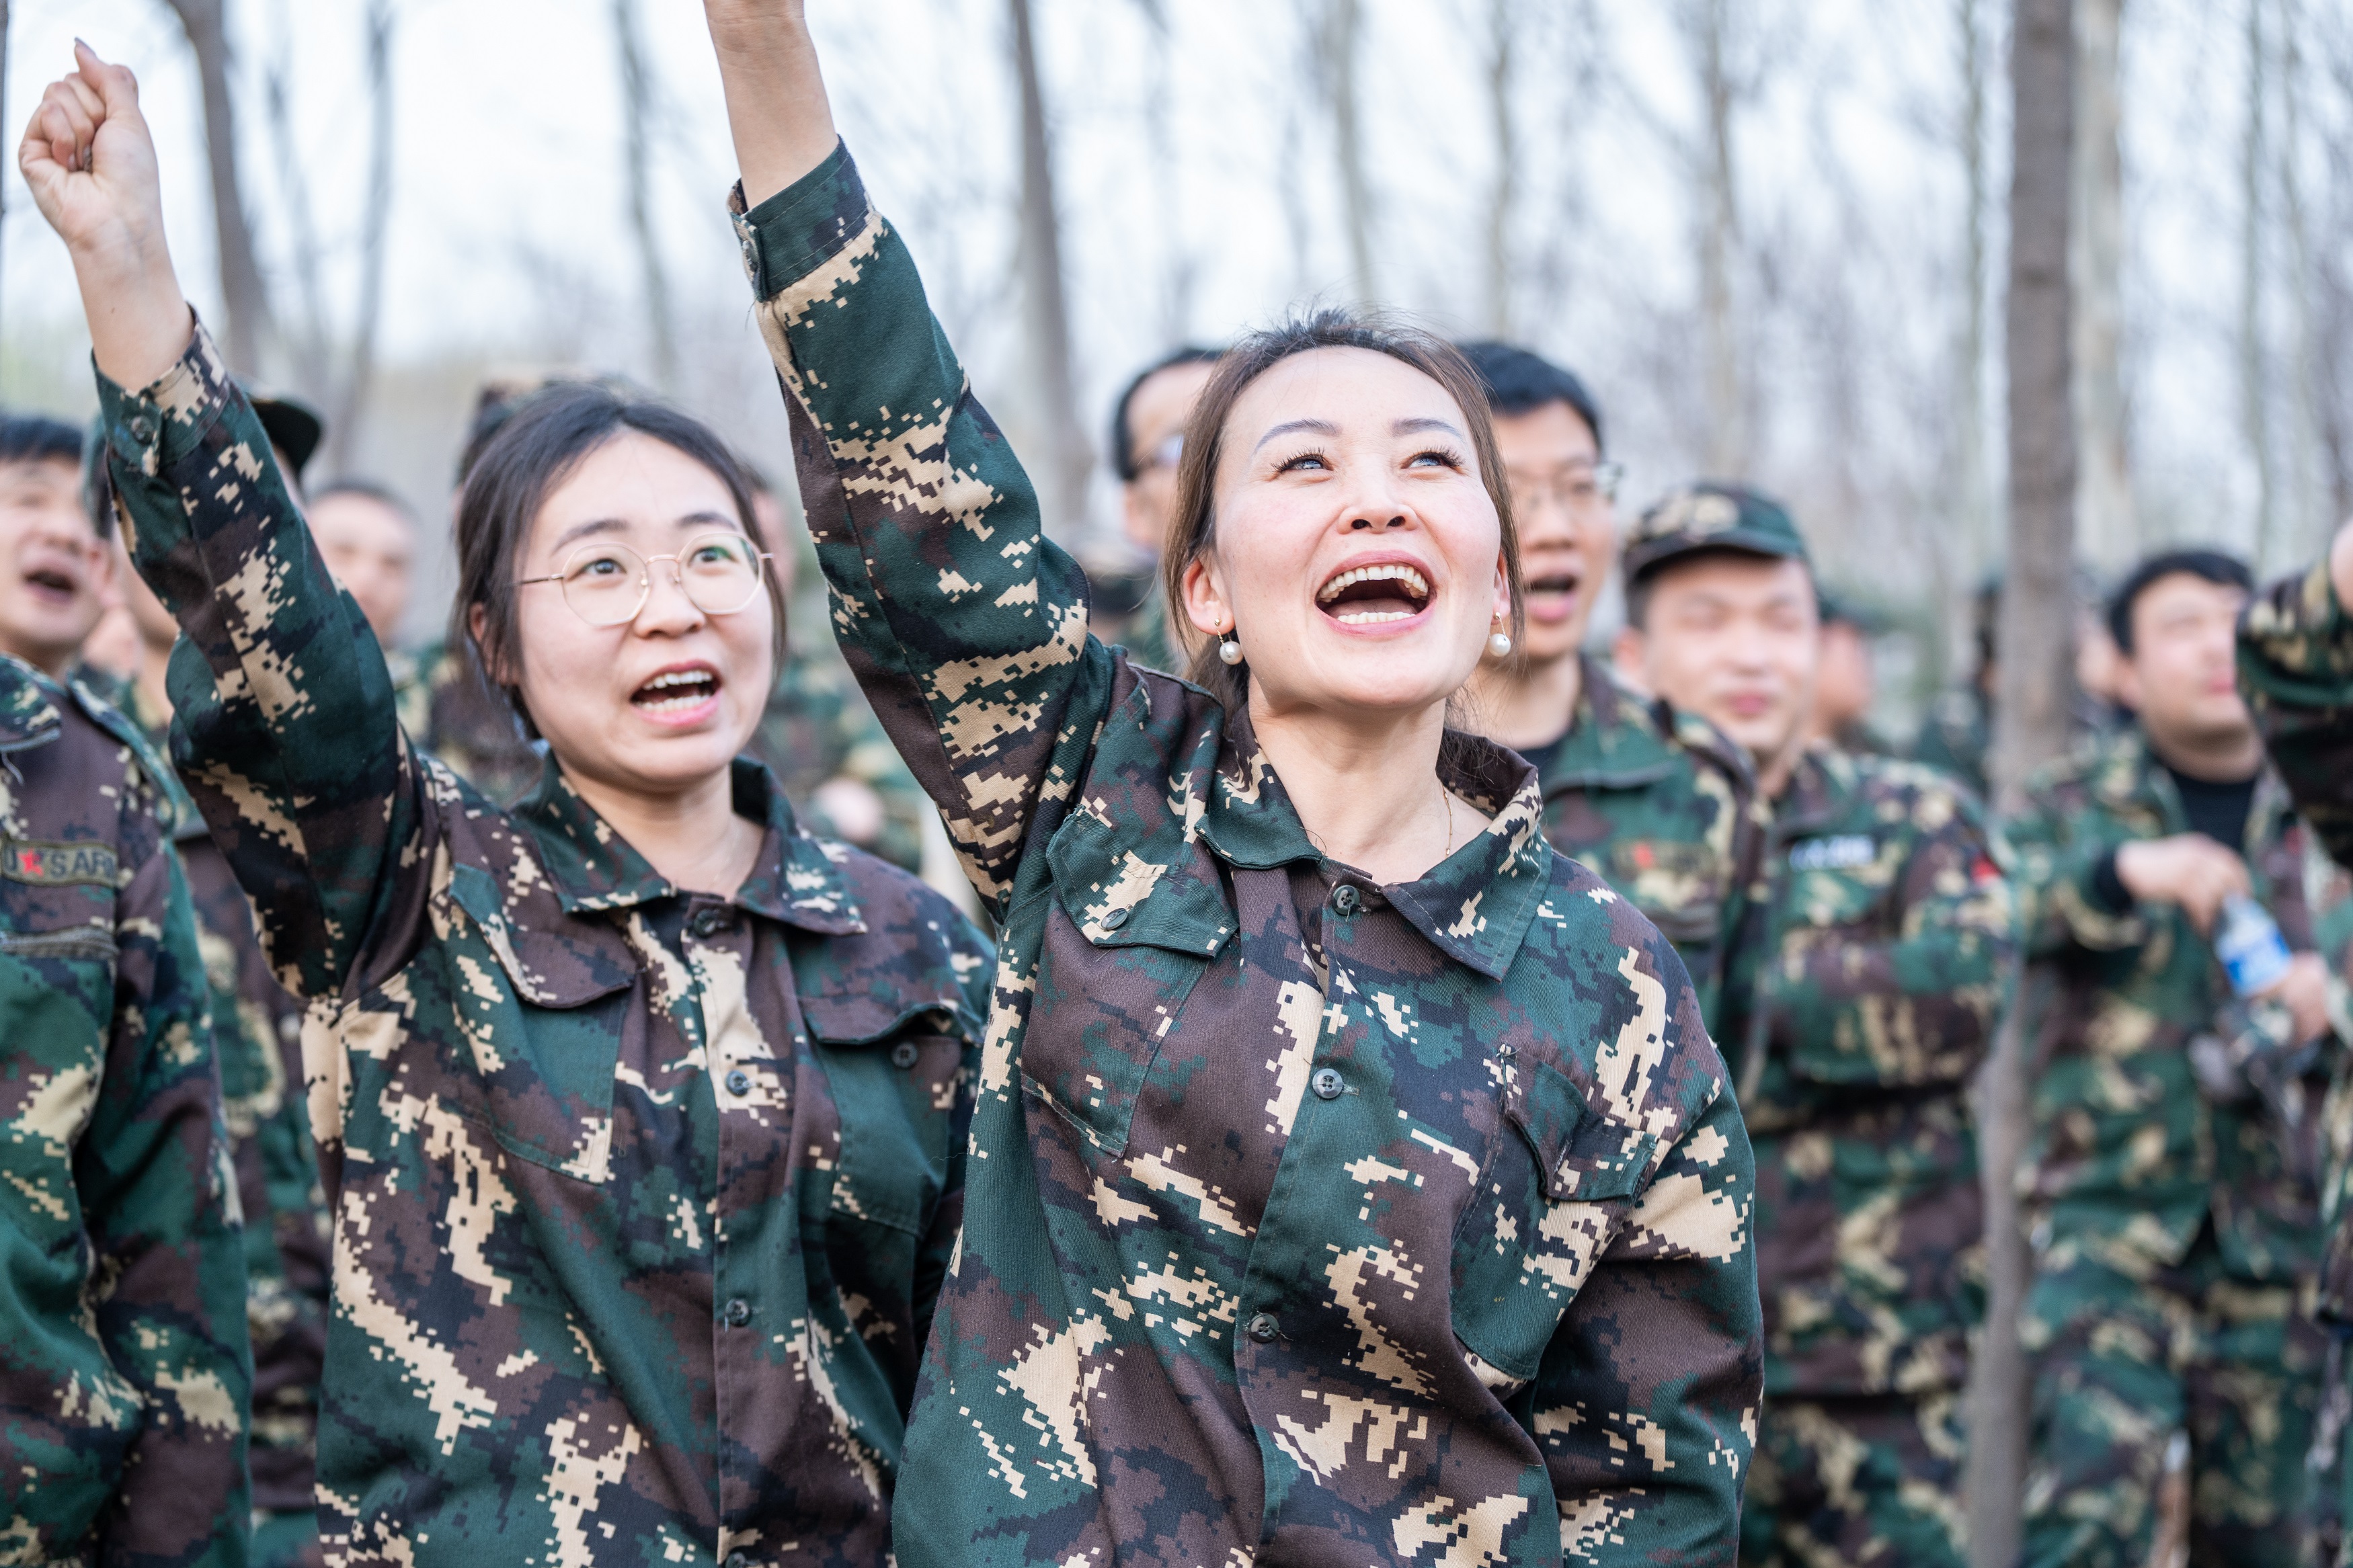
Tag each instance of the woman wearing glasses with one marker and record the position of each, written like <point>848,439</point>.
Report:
<point>641,1112</point>
<point>1656,802</point>
<point>1352,1181</point>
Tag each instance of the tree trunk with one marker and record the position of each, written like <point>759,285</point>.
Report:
<point>1337,44</point>
<point>636,109</point>
<point>2104,500</point>
<point>2254,403</point>
<point>1045,300</point>
<point>368,311</point>
<point>2308,533</point>
<point>1501,16</point>
<point>2037,674</point>
<point>1973,502</point>
<point>1728,436</point>
<point>309,348</point>
<point>244,300</point>
<point>4,103</point>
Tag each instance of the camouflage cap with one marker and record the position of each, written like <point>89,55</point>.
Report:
<point>1711,515</point>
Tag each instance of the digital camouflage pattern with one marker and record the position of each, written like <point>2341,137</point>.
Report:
<point>1871,1478</point>
<point>2172,1196</point>
<point>640,1197</point>
<point>256,1035</point>
<point>124,1373</point>
<point>1312,1221</point>
<point>1660,805</point>
<point>818,728</point>
<point>1878,956</point>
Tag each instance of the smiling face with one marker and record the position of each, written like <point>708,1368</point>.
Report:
<point>370,547</point>
<point>660,704</point>
<point>54,570</point>
<point>1356,555</point>
<point>1568,530</point>
<point>1733,638</point>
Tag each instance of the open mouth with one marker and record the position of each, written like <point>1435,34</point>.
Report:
<point>1371,595</point>
<point>676,692</point>
<point>1552,596</point>
<point>51,583</point>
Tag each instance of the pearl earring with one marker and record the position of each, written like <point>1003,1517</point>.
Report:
<point>1231,651</point>
<point>1500,645</point>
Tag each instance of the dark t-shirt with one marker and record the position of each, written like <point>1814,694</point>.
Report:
<point>2219,811</point>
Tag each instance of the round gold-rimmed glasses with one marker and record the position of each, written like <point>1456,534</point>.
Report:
<point>607,583</point>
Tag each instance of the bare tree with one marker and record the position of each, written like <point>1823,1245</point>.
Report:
<point>1973,513</point>
<point>2308,524</point>
<point>1181,269</point>
<point>1046,314</point>
<point>3,97</point>
<point>2036,677</point>
<point>1503,25</point>
<point>1338,41</point>
<point>2254,402</point>
<point>1705,26</point>
<point>367,312</point>
<point>309,347</point>
<point>637,111</point>
<point>245,298</point>
<point>2104,517</point>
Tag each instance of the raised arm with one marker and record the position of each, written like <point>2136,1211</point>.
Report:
<point>284,726</point>
<point>967,629</point>
<point>2295,667</point>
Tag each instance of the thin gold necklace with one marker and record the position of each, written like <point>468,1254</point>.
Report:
<point>1446,797</point>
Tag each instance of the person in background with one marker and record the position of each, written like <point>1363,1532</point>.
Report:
<point>1656,800</point>
<point>1147,441</point>
<point>257,1039</point>
<point>1849,682</point>
<point>125,1374</point>
<point>2295,672</point>
<point>641,1113</point>
<point>367,536</point>
<point>819,737</point>
<point>2169,1183</point>
<point>1956,735</point>
<point>1876,953</point>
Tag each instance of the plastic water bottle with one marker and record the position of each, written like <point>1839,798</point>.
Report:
<point>2250,945</point>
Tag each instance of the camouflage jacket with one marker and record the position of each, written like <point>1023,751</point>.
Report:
<point>1662,807</point>
<point>2129,1157</point>
<point>641,1196</point>
<point>818,728</point>
<point>2296,669</point>
<point>1151,642</point>
<point>257,1033</point>
<point>1957,736</point>
<point>124,1372</point>
<point>1311,1219</point>
<point>1884,949</point>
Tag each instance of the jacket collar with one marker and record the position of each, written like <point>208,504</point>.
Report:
<point>1618,739</point>
<point>28,706</point>
<point>2128,777</point>
<point>1475,906</point>
<point>593,867</point>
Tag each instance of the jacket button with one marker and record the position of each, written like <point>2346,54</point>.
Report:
<point>1327,1083</point>
<point>739,1082</point>
<point>1116,919</point>
<point>904,1053</point>
<point>737,1560</point>
<point>739,1312</point>
<point>710,921</point>
<point>1345,899</point>
<point>141,428</point>
<point>1263,1327</point>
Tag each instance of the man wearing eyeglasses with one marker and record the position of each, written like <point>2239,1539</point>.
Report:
<point>1657,802</point>
<point>1147,439</point>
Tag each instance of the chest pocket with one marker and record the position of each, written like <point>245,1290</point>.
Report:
<point>1557,1179</point>
<point>57,1000</point>
<point>894,1078</point>
<point>1128,937</point>
<point>539,1014</point>
<point>1679,884</point>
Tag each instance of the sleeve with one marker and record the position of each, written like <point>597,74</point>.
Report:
<point>161,1200</point>
<point>2295,668</point>
<point>1918,1006</point>
<point>2056,849</point>
<point>1645,1405</point>
<point>964,625</point>
<point>285,726</point>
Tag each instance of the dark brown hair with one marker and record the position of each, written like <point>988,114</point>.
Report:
<point>543,438</point>
<point>1194,532</point>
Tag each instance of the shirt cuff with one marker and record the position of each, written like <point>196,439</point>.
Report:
<point>785,238</point>
<point>155,427</point>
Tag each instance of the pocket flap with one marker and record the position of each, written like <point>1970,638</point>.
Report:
<point>1585,1156</point>
<point>560,961</point>
<point>1119,898</point>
